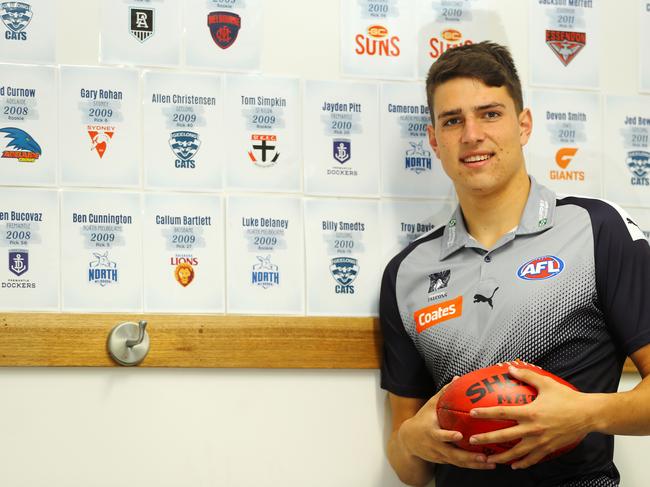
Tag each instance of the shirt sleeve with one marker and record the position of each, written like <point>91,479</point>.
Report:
<point>403,371</point>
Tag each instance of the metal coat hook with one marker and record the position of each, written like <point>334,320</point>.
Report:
<point>128,343</point>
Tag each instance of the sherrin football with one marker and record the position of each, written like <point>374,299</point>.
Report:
<point>487,387</point>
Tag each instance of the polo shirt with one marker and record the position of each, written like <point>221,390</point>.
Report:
<point>566,290</point>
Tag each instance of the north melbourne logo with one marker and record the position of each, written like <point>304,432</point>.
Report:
<point>565,45</point>
<point>142,23</point>
<point>265,274</point>
<point>418,159</point>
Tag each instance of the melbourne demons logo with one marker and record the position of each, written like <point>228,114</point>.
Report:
<point>540,268</point>
<point>377,43</point>
<point>265,274</point>
<point>18,262</point>
<point>100,137</point>
<point>565,45</point>
<point>417,159</point>
<point>102,270</point>
<point>20,146</point>
<point>638,162</point>
<point>344,270</point>
<point>224,27</point>
<point>16,16</point>
<point>184,145</point>
<point>342,150</point>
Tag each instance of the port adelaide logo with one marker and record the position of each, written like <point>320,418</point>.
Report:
<point>20,145</point>
<point>638,162</point>
<point>418,159</point>
<point>344,270</point>
<point>541,268</point>
<point>264,150</point>
<point>342,150</point>
<point>101,270</point>
<point>565,45</point>
<point>265,274</point>
<point>141,23</point>
<point>224,27</point>
<point>16,16</point>
<point>184,145</point>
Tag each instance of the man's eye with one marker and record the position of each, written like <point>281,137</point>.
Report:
<point>492,114</point>
<point>451,121</point>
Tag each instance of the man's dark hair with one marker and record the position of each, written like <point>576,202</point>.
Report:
<point>486,61</point>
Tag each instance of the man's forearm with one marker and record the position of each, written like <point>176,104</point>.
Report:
<point>411,470</point>
<point>623,413</point>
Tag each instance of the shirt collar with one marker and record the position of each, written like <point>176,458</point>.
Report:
<point>538,216</point>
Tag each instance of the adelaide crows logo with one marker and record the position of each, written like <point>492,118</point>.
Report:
<point>184,145</point>
<point>565,45</point>
<point>224,27</point>
<point>26,149</point>
<point>16,16</point>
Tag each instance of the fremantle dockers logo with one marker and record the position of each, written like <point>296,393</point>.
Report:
<point>18,262</point>
<point>141,23</point>
<point>565,45</point>
<point>344,270</point>
<point>342,150</point>
<point>184,144</point>
<point>16,15</point>
<point>638,162</point>
<point>439,280</point>
<point>224,27</point>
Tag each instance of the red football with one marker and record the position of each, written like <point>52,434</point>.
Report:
<point>487,387</point>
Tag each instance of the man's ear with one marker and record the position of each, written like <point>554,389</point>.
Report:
<point>525,126</point>
<point>433,142</point>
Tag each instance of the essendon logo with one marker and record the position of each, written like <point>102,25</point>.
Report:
<point>224,27</point>
<point>565,45</point>
<point>100,136</point>
<point>377,43</point>
<point>541,268</point>
<point>437,313</point>
<point>448,39</point>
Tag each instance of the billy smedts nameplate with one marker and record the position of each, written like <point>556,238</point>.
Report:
<point>99,134</point>
<point>565,43</point>
<point>29,249</point>
<point>101,251</point>
<point>404,221</point>
<point>28,118</point>
<point>143,32</point>
<point>265,255</point>
<point>262,133</point>
<point>183,258</point>
<point>28,31</point>
<point>564,149</point>
<point>183,142</point>
<point>378,39</point>
<point>223,34</point>
<point>341,130</point>
<point>343,257</point>
<point>445,24</point>
<point>644,46</point>
<point>627,151</point>
<point>409,166</point>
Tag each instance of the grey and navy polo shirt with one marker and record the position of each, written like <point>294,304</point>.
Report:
<point>568,290</point>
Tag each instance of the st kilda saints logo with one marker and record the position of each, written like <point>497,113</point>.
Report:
<point>141,23</point>
<point>377,42</point>
<point>264,151</point>
<point>16,16</point>
<point>19,145</point>
<point>184,144</point>
<point>565,45</point>
<point>418,159</point>
<point>638,162</point>
<point>224,27</point>
<point>344,270</point>
<point>265,274</point>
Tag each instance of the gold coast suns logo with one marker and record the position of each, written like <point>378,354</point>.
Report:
<point>448,39</point>
<point>377,42</point>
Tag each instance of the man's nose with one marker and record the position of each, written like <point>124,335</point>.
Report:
<point>472,131</point>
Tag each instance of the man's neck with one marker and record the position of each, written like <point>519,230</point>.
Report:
<point>489,217</point>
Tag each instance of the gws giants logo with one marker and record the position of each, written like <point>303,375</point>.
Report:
<point>102,270</point>
<point>541,268</point>
<point>565,45</point>
<point>25,148</point>
<point>377,43</point>
<point>184,145</point>
<point>224,27</point>
<point>638,162</point>
<point>344,270</point>
<point>267,155</point>
<point>449,39</point>
<point>100,136</point>
<point>16,16</point>
<point>437,313</point>
<point>418,159</point>
<point>562,158</point>
<point>265,274</point>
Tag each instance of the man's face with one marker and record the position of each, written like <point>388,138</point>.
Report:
<point>478,135</point>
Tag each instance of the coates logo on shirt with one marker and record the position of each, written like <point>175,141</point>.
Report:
<point>437,313</point>
<point>541,268</point>
<point>448,39</point>
<point>377,42</point>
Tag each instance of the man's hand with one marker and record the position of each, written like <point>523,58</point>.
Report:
<point>422,437</point>
<point>556,418</point>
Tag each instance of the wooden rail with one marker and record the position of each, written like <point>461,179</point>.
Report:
<point>233,341</point>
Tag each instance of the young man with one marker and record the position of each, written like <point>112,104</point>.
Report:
<point>516,273</point>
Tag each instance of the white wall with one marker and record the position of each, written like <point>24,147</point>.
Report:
<point>186,427</point>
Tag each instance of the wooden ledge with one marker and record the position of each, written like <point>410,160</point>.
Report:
<point>232,341</point>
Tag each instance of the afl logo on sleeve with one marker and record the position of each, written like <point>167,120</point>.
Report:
<point>541,268</point>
